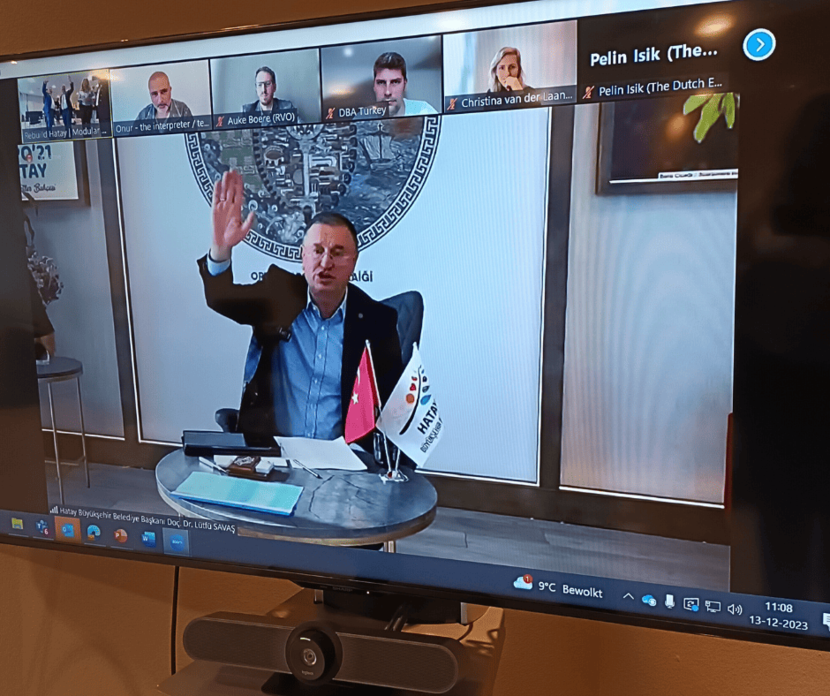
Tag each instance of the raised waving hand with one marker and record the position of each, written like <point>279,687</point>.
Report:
<point>228,227</point>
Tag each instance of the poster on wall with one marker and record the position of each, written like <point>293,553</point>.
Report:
<point>48,172</point>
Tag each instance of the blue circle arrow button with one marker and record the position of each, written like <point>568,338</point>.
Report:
<point>759,44</point>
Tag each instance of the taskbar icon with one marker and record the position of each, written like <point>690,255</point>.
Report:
<point>524,582</point>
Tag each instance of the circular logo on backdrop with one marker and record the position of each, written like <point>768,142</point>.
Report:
<point>369,171</point>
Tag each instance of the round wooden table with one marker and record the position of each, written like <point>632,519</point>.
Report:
<point>341,508</point>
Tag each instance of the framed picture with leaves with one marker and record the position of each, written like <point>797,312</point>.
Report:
<point>671,144</point>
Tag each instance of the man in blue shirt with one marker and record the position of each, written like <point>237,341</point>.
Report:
<point>47,108</point>
<point>309,330</point>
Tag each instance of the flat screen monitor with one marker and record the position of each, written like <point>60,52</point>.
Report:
<point>518,304</point>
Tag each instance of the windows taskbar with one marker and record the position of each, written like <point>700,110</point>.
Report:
<point>208,541</point>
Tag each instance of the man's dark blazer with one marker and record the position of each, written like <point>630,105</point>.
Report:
<point>103,107</point>
<point>270,306</point>
<point>66,114</point>
<point>279,105</point>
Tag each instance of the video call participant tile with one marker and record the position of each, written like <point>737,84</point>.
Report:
<point>382,79</point>
<point>160,99</point>
<point>266,89</point>
<point>72,106</point>
<point>510,68</point>
<point>667,52</point>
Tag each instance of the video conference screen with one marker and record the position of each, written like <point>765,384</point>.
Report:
<point>547,268</point>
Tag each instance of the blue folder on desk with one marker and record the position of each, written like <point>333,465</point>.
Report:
<point>261,496</point>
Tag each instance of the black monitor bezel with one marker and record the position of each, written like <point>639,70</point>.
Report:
<point>355,583</point>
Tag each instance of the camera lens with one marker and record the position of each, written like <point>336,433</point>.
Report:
<point>309,657</point>
<point>311,653</point>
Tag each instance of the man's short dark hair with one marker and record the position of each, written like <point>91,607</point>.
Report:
<point>390,61</point>
<point>329,217</point>
<point>265,68</point>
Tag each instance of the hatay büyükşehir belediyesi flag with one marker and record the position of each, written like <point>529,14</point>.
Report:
<point>365,400</point>
<point>410,417</point>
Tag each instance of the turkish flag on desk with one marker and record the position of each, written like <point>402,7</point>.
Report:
<point>365,400</point>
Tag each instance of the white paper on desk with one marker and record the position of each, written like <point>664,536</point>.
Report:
<point>321,454</point>
<point>225,460</point>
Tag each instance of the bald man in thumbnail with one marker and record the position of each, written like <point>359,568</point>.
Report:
<point>162,105</point>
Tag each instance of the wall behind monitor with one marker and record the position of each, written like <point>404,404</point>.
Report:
<point>79,626</point>
<point>75,625</point>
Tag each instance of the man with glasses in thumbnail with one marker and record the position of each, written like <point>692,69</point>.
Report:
<point>309,329</point>
<point>266,89</point>
<point>390,84</point>
<point>162,104</point>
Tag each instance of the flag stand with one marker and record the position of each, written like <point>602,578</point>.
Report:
<point>390,475</point>
<point>357,427</point>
